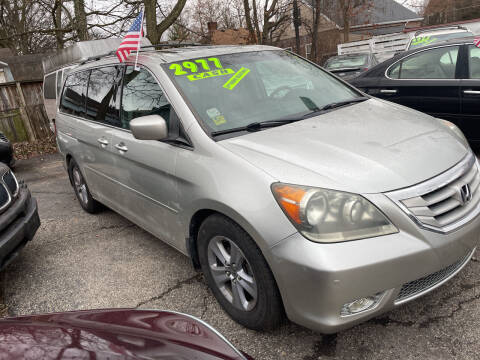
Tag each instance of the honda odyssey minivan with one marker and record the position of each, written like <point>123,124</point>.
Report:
<point>296,194</point>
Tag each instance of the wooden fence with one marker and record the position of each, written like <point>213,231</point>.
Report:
<point>22,113</point>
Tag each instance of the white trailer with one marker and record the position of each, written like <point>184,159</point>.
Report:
<point>383,46</point>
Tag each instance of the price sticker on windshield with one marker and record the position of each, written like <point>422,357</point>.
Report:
<point>200,69</point>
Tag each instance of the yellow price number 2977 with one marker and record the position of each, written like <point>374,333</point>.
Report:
<point>194,65</point>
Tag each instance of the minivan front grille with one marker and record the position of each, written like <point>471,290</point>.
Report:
<point>445,202</point>
<point>413,288</point>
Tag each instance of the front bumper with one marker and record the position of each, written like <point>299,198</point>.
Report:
<point>316,280</point>
<point>18,225</point>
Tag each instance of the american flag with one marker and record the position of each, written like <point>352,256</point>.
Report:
<point>132,40</point>
<point>476,41</point>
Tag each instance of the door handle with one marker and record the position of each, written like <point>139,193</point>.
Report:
<point>121,147</point>
<point>388,92</point>
<point>103,142</point>
<point>471,92</point>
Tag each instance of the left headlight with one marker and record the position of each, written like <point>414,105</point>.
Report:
<point>329,216</point>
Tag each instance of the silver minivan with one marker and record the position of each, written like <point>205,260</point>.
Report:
<point>294,193</point>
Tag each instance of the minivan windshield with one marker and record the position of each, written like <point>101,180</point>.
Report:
<point>236,90</point>
<point>346,61</point>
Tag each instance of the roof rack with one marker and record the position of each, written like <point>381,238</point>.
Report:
<point>98,57</point>
<point>169,45</point>
<point>142,48</point>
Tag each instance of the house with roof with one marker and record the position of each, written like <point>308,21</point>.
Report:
<point>367,18</point>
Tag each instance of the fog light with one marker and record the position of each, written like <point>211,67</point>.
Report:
<point>361,305</point>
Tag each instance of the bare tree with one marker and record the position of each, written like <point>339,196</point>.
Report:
<point>155,30</point>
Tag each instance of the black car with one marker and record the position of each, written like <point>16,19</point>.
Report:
<point>19,219</point>
<point>442,80</point>
<point>6,151</point>
<point>349,66</point>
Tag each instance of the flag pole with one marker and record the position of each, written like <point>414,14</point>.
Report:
<point>137,68</point>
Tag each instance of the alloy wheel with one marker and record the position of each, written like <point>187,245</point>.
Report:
<point>232,273</point>
<point>80,186</point>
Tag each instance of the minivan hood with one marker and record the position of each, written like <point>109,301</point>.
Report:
<point>369,147</point>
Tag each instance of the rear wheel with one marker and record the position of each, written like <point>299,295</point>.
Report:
<point>238,274</point>
<point>84,197</point>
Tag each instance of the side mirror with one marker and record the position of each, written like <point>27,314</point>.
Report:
<point>149,127</point>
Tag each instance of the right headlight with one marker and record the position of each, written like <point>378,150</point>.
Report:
<point>329,216</point>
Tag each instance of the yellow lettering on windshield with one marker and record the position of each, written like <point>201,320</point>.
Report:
<point>209,74</point>
<point>235,79</point>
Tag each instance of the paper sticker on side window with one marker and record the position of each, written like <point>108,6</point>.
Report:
<point>425,40</point>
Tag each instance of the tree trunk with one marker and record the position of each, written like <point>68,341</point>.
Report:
<point>170,19</point>
<point>255,21</point>
<point>154,31</point>
<point>248,20</point>
<point>80,19</point>
<point>296,24</point>
<point>151,20</point>
<point>316,21</point>
<point>57,23</point>
<point>345,8</point>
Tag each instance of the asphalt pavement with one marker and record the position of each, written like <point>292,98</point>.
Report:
<point>83,261</point>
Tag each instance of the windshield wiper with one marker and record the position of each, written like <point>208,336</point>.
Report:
<point>342,103</point>
<point>256,126</point>
<point>318,111</point>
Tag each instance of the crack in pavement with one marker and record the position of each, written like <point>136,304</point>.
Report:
<point>205,306</point>
<point>178,285</point>
<point>459,307</point>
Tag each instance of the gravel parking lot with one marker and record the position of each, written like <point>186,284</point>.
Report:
<point>81,261</point>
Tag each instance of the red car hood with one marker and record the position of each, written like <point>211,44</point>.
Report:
<point>113,334</point>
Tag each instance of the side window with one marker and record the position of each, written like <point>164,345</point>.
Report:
<point>474,62</point>
<point>73,97</point>
<point>437,63</point>
<point>142,96</point>
<point>103,104</point>
<point>49,87</point>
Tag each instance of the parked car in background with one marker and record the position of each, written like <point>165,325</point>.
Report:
<point>442,80</point>
<point>6,151</point>
<point>434,36</point>
<point>114,334</point>
<point>310,199</point>
<point>19,219</point>
<point>349,66</point>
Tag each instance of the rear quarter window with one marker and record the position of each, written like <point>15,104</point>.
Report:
<point>49,86</point>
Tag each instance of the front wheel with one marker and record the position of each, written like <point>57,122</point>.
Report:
<point>238,274</point>
<point>88,203</point>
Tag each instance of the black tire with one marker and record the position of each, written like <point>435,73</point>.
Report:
<point>87,202</point>
<point>268,312</point>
